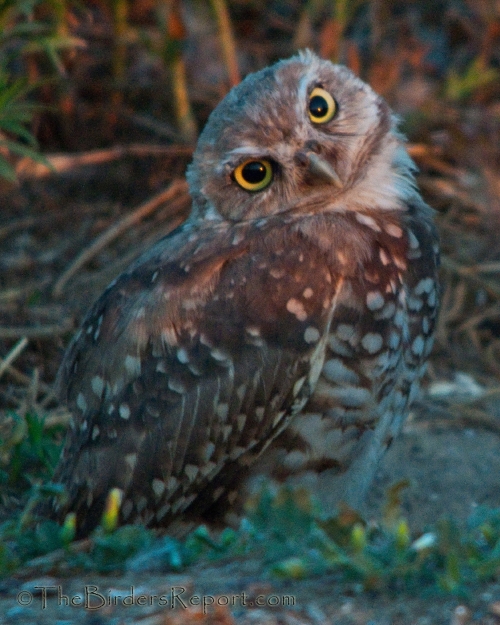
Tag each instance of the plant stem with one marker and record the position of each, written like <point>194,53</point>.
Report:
<point>227,41</point>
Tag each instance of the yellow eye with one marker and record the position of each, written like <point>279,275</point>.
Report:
<point>254,175</point>
<point>322,107</point>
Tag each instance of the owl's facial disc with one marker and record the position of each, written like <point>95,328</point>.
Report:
<point>301,133</point>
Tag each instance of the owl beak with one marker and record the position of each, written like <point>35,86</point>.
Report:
<point>322,169</point>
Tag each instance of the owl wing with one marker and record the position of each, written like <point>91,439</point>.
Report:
<point>189,365</point>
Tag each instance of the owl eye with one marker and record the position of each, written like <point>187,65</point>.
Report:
<point>254,175</point>
<point>322,107</point>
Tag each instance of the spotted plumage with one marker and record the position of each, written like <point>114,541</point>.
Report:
<point>288,320</point>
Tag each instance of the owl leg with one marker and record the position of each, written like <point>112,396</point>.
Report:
<point>351,486</point>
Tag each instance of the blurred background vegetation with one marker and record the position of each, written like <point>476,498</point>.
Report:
<point>101,102</point>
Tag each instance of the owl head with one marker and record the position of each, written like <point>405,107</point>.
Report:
<point>304,135</point>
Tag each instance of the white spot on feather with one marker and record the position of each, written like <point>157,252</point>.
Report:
<point>394,230</point>
<point>182,355</point>
<point>342,258</point>
<point>277,273</point>
<point>161,366</point>
<point>240,421</point>
<point>311,335</point>
<point>296,307</point>
<point>400,263</point>
<point>191,471</point>
<point>124,411</point>
<point>351,396</point>
<point>222,410</point>
<point>412,239</point>
<point>388,311</point>
<point>431,300</point>
<point>366,220</point>
<point>417,347</point>
<point>168,336</point>
<point>335,370</point>
<point>424,286</point>
<point>374,300</point>
<point>298,385</point>
<point>220,355</point>
<point>81,402</point>
<point>425,325</point>
<point>158,487</point>
<point>177,386</point>
<point>206,451</point>
<point>97,385</point>
<point>253,331</point>
<point>372,342</point>
<point>394,339</point>
<point>259,412</point>
<point>133,365</point>
<point>131,460</point>
<point>384,257</point>
<point>278,418</point>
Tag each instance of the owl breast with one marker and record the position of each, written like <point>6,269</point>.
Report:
<point>378,343</point>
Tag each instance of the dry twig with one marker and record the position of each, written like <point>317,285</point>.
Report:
<point>60,163</point>
<point>12,355</point>
<point>24,379</point>
<point>227,41</point>
<point>176,188</point>
<point>36,332</point>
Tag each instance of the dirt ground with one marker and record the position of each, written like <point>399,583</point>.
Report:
<point>451,470</point>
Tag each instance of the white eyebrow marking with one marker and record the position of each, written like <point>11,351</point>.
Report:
<point>245,150</point>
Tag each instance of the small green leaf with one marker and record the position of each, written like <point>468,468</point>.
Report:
<point>358,538</point>
<point>7,171</point>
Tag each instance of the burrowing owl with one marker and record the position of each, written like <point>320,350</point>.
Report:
<point>301,293</point>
